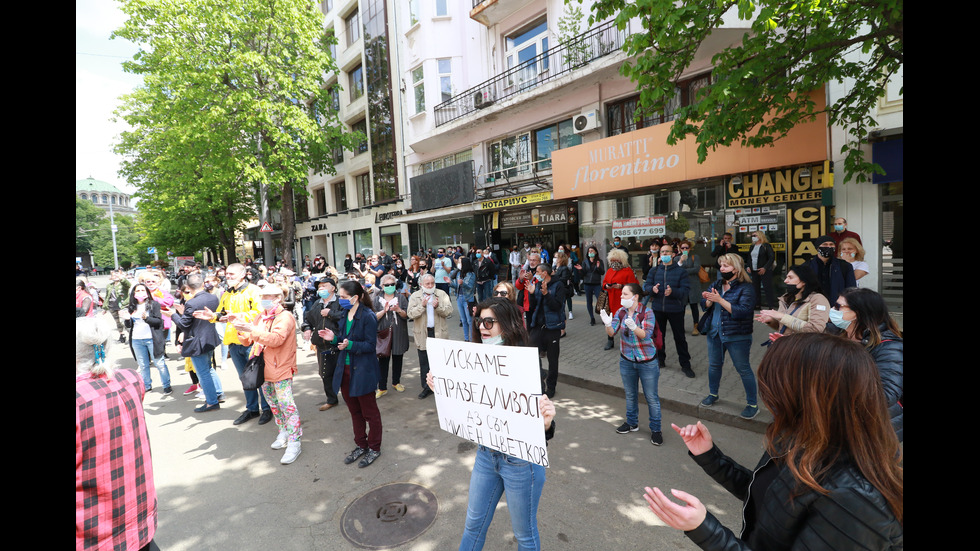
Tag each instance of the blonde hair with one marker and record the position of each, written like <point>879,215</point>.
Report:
<point>618,255</point>
<point>762,236</point>
<point>736,262</point>
<point>511,291</point>
<point>859,255</point>
<point>91,332</point>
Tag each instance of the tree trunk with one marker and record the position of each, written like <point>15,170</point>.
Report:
<point>288,224</point>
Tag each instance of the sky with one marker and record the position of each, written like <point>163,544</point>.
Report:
<point>99,81</point>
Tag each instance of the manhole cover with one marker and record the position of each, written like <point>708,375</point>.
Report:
<point>389,516</point>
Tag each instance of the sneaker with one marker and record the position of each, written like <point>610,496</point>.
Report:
<point>626,428</point>
<point>280,442</point>
<point>190,390</point>
<point>709,400</point>
<point>399,387</point>
<point>368,458</point>
<point>379,393</point>
<point>293,449</point>
<point>354,455</point>
<point>168,391</point>
<point>570,316</point>
<point>750,411</point>
<point>657,438</point>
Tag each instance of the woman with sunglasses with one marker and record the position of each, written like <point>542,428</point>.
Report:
<point>863,316</point>
<point>499,322</point>
<point>691,264</point>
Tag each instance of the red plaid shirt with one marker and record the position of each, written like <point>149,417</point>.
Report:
<point>115,500</point>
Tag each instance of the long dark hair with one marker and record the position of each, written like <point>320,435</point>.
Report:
<point>133,303</point>
<point>810,284</point>
<point>871,312</point>
<point>465,266</point>
<point>509,317</point>
<point>354,289</point>
<point>829,407</point>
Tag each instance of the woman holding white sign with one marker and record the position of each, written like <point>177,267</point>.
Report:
<point>637,359</point>
<point>500,322</point>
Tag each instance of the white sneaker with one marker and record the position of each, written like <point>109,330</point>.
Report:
<point>570,316</point>
<point>280,442</point>
<point>293,449</point>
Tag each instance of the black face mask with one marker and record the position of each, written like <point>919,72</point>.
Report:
<point>727,275</point>
<point>826,252</point>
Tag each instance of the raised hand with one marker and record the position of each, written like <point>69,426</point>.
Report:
<point>682,517</point>
<point>696,437</point>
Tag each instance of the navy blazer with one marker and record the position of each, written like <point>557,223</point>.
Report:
<point>361,349</point>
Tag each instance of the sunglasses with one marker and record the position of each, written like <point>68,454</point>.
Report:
<point>500,293</point>
<point>487,322</point>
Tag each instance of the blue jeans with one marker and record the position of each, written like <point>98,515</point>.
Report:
<point>465,315</point>
<point>647,374</point>
<point>739,353</point>
<point>493,474</point>
<point>484,290</point>
<point>207,377</point>
<point>239,356</point>
<point>143,348</point>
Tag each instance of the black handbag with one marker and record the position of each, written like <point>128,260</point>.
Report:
<point>253,375</point>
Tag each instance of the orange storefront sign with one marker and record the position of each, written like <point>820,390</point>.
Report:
<point>642,158</point>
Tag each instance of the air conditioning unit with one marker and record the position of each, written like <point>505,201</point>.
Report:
<point>482,100</point>
<point>585,121</point>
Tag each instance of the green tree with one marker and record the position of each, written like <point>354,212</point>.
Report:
<point>231,99</point>
<point>93,234</point>
<point>90,220</point>
<point>760,84</point>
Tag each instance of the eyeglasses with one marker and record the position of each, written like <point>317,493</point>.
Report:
<point>500,293</point>
<point>685,248</point>
<point>838,307</point>
<point>487,322</point>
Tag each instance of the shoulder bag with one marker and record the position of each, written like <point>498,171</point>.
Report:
<point>253,375</point>
<point>602,302</point>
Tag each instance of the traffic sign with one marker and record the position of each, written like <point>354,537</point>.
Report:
<point>267,227</point>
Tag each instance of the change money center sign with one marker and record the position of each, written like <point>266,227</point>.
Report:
<point>489,395</point>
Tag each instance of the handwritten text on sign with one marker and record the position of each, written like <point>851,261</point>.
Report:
<point>489,395</point>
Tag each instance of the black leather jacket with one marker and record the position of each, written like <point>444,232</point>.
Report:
<point>313,321</point>
<point>853,515</point>
<point>889,356</point>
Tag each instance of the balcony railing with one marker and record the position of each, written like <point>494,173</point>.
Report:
<point>563,58</point>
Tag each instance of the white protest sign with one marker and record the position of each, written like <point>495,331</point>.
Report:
<point>489,395</point>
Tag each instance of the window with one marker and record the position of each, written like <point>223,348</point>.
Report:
<point>105,199</point>
<point>337,155</point>
<point>335,97</point>
<point>660,203</point>
<point>352,23</point>
<point>385,189</point>
<point>331,40</point>
<point>326,6</point>
<point>418,83</point>
<point>523,47</point>
<point>550,138</point>
<point>340,196</point>
<point>84,197</point>
<point>619,115</point>
<point>511,156</point>
<point>623,207</point>
<point>442,8</point>
<point>413,12</point>
<point>113,199</point>
<point>320,201</point>
<point>708,197</point>
<point>95,199</point>
<point>356,77</point>
<point>448,160</point>
<point>361,126</point>
<point>363,182</point>
<point>446,78</point>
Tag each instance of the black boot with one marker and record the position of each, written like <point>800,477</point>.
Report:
<point>609,344</point>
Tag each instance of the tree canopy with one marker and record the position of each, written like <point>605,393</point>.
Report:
<point>759,87</point>
<point>232,98</point>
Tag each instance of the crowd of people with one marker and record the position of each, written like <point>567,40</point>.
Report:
<point>356,317</point>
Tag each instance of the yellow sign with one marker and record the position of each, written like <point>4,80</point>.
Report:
<point>516,201</point>
<point>780,186</point>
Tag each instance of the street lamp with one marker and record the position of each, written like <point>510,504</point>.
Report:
<point>112,230</point>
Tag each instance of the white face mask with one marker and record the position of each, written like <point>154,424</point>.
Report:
<point>627,302</point>
<point>499,339</point>
<point>428,290</point>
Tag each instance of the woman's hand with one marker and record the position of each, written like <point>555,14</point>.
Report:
<point>430,381</point>
<point>696,437</point>
<point>682,517</point>
<point>343,345</point>
<point>325,334</point>
<point>242,327</point>
<point>547,409</point>
<point>711,296</point>
<point>773,315</point>
<point>774,336</point>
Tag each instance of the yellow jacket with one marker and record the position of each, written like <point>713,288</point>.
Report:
<point>237,301</point>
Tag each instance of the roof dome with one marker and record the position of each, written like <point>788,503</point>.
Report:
<point>91,184</point>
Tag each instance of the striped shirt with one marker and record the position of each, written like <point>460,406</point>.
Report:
<point>115,499</point>
<point>633,348</point>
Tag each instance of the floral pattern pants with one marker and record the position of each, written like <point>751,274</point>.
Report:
<point>280,397</point>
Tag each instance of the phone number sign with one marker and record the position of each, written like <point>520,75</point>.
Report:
<point>640,227</point>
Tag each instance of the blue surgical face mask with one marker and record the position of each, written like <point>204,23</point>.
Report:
<point>499,339</point>
<point>267,304</point>
<point>323,293</point>
<point>665,258</point>
<point>479,255</point>
<point>837,318</point>
<point>344,303</point>
<point>839,227</point>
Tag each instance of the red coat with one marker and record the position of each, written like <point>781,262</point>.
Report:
<point>623,276</point>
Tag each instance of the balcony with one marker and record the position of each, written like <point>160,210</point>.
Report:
<point>491,12</point>
<point>598,42</point>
